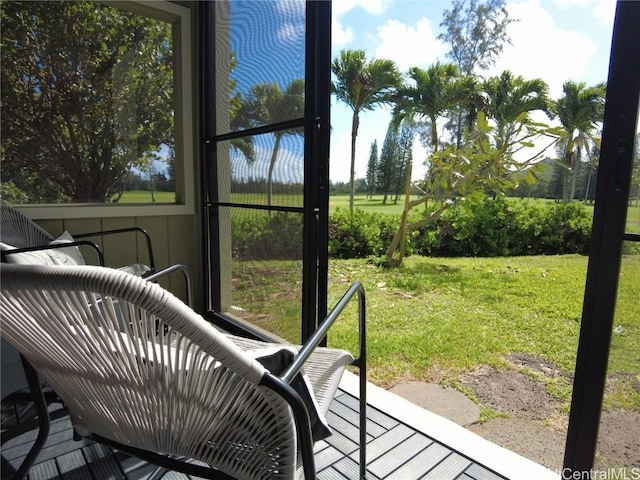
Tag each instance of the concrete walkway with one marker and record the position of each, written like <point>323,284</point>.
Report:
<point>444,401</point>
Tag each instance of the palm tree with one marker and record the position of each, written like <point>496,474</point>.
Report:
<point>268,104</point>
<point>509,100</point>
<point>237,116</point>
<point>362,85</point>
<point>434,91</point>
<point>579,110</point>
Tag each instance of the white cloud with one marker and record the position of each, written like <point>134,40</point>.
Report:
<point>291,32</point>
<point>409,45</point>
<point>540,49</point>
<point>293,16</point>
<point>291,9</point>
<point>375,7</point>
<point>604,11</point>
<point>340,36</point>
<point>566,4</point>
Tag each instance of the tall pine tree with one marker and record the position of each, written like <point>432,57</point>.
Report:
<point>371,168</point>
<point>387,164</point>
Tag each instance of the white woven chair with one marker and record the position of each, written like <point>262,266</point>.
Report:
<point>142,372</point>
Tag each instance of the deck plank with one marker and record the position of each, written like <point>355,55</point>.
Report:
<point>387,442</point>
<point>399,455</point>
<point>353,417</point>
<point>350,469</point>
<point>327,457</point>
<point>478,472</point>
<point>73,466</point>
<point>451,467</point>
<point>102,463</point>
<point>422,463</point>
<point>47,470</point>
<point>331,474</point>
<point>373,414</point>
<point>342,442</point>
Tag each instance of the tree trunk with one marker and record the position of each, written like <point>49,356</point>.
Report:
<point>434,135</point>
<point>574,174</point>
<point>272,164</point>
<point>352,184</point>
<point>405,214</point>
<point>566,172</point>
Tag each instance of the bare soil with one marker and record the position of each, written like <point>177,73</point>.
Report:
<point>535,426</point>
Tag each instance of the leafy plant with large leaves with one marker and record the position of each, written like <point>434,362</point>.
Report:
<point>477,169</point>
<point>87,92</point>
<point>509,101</point>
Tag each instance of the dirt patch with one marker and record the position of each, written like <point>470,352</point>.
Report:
<point>528,438</point>
<point>619,439</point>
<point>535,428</point>
<point>511,392</point>
<point>537,364</point>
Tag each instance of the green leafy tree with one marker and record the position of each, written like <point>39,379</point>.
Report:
<point>87,92</point>
<point>476,32</point>
<point>580,109</point>
<point>267,104</point>
<point>509,101</point>
<point>387,163</point>
<point>238,121</point>
<point>362,85</point>
<point>430,94</point>
<point>403,161</point>
<point>372,165</point>
<point>471,172</point>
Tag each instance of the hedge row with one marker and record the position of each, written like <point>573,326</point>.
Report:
<point>492,227</point>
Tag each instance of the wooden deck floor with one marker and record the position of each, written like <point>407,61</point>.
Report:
<point>395,451</point>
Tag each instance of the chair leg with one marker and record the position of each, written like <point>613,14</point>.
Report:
<point>44,421</point>
<point>362,365</point>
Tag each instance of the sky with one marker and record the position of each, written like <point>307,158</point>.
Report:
<point>556,40</point>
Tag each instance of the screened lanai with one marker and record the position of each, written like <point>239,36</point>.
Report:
<point>250,219</point>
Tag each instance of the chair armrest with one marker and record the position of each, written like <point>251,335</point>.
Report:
<point>321,332</point>
<point>141,231</point>
<point>56,246</point>
<point>175,268</point>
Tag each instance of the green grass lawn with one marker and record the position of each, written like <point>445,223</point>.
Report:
<point>144,196</point>
<point>363,202</point>
<point>436,318</point>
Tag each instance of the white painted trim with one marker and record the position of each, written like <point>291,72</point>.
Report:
<point>504,462</point>
<point>94,210</point>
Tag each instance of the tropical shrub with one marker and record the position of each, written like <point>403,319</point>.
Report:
<point>268,237</point>
<point>499,227</point>
<point>489,227</point>
<point>360,234</point>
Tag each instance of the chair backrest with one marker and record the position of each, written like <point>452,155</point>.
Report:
<point>20,231</point>
<point>136,365</point>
